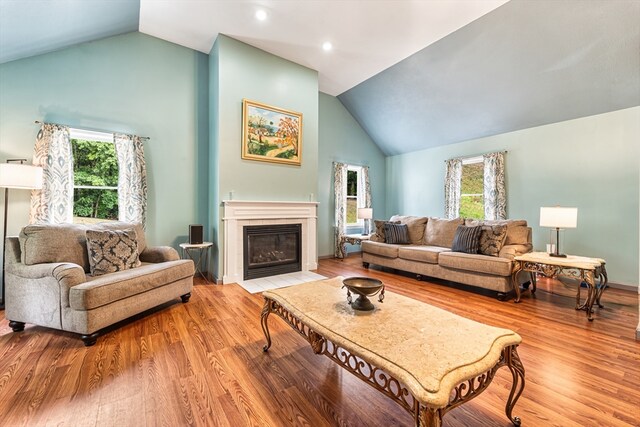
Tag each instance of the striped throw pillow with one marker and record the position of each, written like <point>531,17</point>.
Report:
<point>396,233</point>
<point>467,239</point>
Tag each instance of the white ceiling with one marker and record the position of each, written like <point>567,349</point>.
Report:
<point>368,36</point>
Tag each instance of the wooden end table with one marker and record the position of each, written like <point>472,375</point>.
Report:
<point>354,239</point>
<point>575,267</point>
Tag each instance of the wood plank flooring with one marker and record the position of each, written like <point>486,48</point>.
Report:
<point>201,364</point>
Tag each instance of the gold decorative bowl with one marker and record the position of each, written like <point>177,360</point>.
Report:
<point>365,287</point>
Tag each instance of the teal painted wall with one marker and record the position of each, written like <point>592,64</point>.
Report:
<point>214,166</point>
<point>591,163</point>
<point>343,140</point>
<point>247,72</point>
<point>131,83</point>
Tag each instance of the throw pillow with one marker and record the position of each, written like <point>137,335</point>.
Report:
<point>112,250</point>
<point>416,226</point>
<point>440,232</point>
<point>467,239</point>
<point>492,238</point>
<point>396,233</point>
<point>378,235</point>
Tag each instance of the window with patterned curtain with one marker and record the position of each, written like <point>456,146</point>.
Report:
<point>475,187</point>
<point>352,191</point>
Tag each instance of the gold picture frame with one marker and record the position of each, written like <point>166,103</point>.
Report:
<point>271,134</point>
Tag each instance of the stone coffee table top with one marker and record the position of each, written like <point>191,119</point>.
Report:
<point>429,349</point>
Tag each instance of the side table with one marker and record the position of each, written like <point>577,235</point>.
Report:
<point>188,251</point>
<point>575,267</point>
<point>354,239</point>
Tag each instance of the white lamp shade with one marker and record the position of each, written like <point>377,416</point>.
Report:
<point>558,217</point>
<point>365,213</point>
<point>16,175</point>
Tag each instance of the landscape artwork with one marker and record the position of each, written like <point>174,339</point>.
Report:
<point>271,134</point>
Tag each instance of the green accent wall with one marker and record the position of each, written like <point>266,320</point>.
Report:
<point>132,83</point>
<point>239,71</point>
<point>591,163</point>
<point>343,140</point>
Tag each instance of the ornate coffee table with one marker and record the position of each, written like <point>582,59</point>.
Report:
<point>426,359</point>
<point>574,267</point>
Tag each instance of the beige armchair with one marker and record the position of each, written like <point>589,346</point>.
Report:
<point>47,281</point>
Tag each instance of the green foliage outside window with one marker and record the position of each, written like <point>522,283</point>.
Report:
<point>471,190</point>
<point>95,164</point>
<point>352,197</point>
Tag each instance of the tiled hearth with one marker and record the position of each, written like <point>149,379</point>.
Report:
<point>240,213</point>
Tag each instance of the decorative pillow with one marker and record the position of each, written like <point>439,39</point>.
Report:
<point>112,250</point>
<point>416,226</point>
<point>467,239</point>
<point>378,236</point>
<point>492,238</point>
<point>396,233</point>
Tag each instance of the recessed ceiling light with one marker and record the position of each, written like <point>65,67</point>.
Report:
<point>327,46</point>
<point>261,15</point>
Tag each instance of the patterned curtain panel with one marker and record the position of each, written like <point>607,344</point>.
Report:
<point>452,180</point>
<point>54,202</point>
<point>340,190</point>
<point>495,193</point>
<point>364,200</point>
<point>132,178</point>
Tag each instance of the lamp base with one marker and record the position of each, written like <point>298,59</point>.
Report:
<point>558,255</point>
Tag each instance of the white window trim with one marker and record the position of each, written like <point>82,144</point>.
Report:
<point>352,226</point>
<point>94,136</point>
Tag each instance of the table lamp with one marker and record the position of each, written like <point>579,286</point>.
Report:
<point>19,176</point>
<point>366,214</point>
<point>558,217</point>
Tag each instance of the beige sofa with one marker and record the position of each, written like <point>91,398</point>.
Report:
<point>429,253</point>
<point>47,280</point>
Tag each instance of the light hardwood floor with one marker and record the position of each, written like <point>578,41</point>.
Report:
<point>201,364</point>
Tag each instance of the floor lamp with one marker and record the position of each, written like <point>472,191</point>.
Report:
<point>15,174</point>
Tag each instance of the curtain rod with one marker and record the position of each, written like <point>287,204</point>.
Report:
<point>38,122</point>
<point>476,155</point>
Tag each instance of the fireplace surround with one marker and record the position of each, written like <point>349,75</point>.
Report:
<point>240,213</point>
<point>269,250</point>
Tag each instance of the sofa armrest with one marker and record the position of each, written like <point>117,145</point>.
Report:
<point>159,254</point>
<point>512,251</point>
<point>71,274</point>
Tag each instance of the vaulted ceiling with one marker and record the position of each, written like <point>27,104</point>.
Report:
<point>415,74</point>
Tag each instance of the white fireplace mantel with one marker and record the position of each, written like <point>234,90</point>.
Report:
<point>240,213</point>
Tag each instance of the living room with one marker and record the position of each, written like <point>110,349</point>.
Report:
<point>577,146</point>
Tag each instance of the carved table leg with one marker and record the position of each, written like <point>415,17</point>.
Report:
<point>602,285</point>
<point>517,266</point>
<point>266,310</point>
<point>534,281</point>
<point>591,298</point>
<point>514,364</point>
<point>429,417</point>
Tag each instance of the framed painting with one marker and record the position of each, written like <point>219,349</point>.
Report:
<point>271,134</point>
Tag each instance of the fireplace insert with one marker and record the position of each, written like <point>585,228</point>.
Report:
<point>271,249</point>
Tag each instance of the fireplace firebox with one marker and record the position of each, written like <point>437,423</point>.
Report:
<point>269,250</point>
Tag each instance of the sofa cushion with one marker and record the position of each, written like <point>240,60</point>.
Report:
<point>440,232</point>
<point>517,230</point>
<point>102,290</point>
<point>46,243</point>
<point>381,249</point>
<point>467,239</point>
<point>476,263</point>
<point>428,254</point>
<point>491,239</point>
<point>112,250</point>
<point>396,234</point>
<point>415,224</point>
<point>378,235</point>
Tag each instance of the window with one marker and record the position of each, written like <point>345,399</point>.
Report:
<point>353,193</point>
<point>95,177</point>
<point>472,188</point>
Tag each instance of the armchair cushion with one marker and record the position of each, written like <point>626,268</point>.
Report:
<point>103,290</point>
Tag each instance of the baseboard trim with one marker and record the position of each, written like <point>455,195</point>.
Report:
<point>623,286</point>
